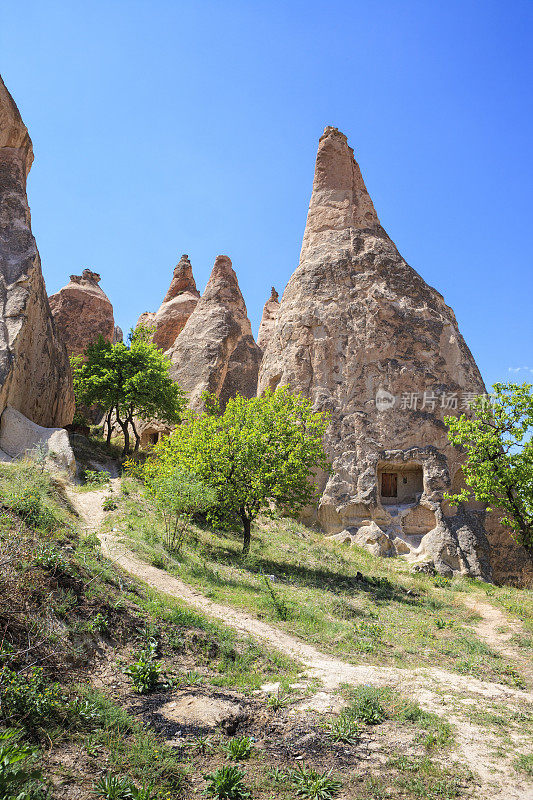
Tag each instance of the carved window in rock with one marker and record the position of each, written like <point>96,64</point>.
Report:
<point>389,484</point>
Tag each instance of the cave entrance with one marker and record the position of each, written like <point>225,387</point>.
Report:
<point>389,484</point>
<point>400,483</point>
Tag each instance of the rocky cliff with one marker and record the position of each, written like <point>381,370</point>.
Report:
<point>82,312</point>
<point>216,351</point>
<point>35,376</point>
<point>268,320</point>
<point>362,334</point>
<point>177,306</point>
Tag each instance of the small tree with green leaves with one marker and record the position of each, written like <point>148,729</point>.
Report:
<point>178,495</point>
<point>128,382</point>
<point>498,469</point>
<point>257,454</point>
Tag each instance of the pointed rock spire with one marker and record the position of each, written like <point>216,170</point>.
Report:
<point>360,333</point>
<point>182,280</point>
<point>215,351</point>
<point>82,312</point>
<point>268,320</point>
<point>339,200</point>
<point>177,306</point>
<point>35,375</point>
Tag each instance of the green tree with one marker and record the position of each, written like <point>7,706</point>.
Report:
<point>498,469</point>
<point>128,382</point>
<point>178,495</point>
<point>256,454</point>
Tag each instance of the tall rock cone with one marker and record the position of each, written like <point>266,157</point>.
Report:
<point>177,306</point>
<point>215,351</point>
<point>35,376</point>
<point>362,335</point>
<point>268,320</point>
<point>82,312</point>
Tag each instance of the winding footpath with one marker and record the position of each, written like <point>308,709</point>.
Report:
<point>448,694</point>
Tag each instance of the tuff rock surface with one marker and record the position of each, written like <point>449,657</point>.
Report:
<point>360,333</point>
<point>177,306</point>
<point>20,436</point>
<point>268,320</point>
<point>82,312</point>
<point>216,351</point>
<point>35,376</point>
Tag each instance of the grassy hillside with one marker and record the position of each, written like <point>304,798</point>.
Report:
<point>109,687</point>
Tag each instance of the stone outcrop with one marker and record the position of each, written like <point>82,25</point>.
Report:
<point>215,351</point>
<point>268,320</point>
<point>177,306</point>
<point>82,312</point>
<point>35,376</point>
<point>19,436</point>
<point>360,333</point>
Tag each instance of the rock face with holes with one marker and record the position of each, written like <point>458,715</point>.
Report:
<point>268,320</point>
<point>82,312</point>
<point>215,351</point>
<point>361,333</point>
<point>176,308</point>
<point>35,376</point>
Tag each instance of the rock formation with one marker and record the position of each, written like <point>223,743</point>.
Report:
<point>176,308</point>
<point>216,351</point>
<point>35,377</point>
<point>82,311</point>
<point>268,320</point>
<point>362,335</point>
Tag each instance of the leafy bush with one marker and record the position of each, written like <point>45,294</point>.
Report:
<point>27,503</point>
<point>108,504</point>
<point>314,785</point>
<point>226,783</point>
<point>178,495</point>
<point>344,729</point>
<point>17,776</point>
<point>28,698</point>
<point>366,706</point>
<point>280,606</point>
<point>145,672</point>
<point>99,623</point>
<point>240,748</point>
<point>110,787</point>
<point>95,477</point>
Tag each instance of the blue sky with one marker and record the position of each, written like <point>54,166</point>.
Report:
<point>163,128</point>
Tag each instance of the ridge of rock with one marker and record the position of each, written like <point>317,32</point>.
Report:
<point>35,375</point>
<point>361,333</point>
<point>268,319</point>
<point>82,311</point>
<point>215,351</point>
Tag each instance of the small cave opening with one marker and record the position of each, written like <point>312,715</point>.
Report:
<point>400,483</point>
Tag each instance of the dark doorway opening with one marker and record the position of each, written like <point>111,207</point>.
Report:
<point>389,484</point>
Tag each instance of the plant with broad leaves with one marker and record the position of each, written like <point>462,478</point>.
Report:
<point>226,783</point>
<point>498,469</point>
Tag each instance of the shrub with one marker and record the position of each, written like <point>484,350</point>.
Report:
<point>344,729</point>
<point>98,623</point>
<point>16,772</point>
<point>226,783</point>
<point>366,706</point>
<point>27,503</point>
<point>178,495</point>
<point>145,672</point>
<point>28,698</point>
<point>95,477</point>
<point>240,748</point>
<point>108,504</point>
<point>314,785</point>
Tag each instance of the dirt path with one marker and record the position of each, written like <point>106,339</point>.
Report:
<point>448,694</point>
<point>497,631</point>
